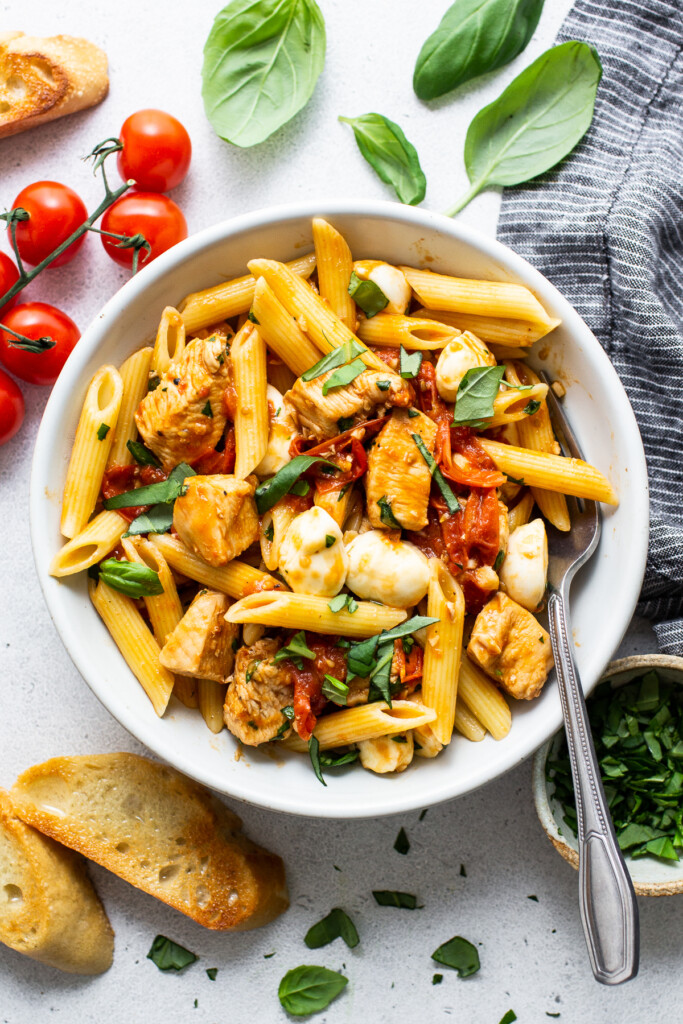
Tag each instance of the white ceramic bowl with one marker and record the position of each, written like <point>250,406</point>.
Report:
<point>603,597</point>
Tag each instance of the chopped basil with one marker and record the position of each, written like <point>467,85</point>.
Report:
<point>500,558</point>
<point>253,665</point>
<point>207,410</point>
<point>380,676</point>
<point>423,814</point>
<point>309,989</point>
<point>288,713</point>
<point>386,515</point>
<point>102,431</point>
<point>452,503</point>
<point>163,492</point>
<point>361,657</point>
<point>367,295</point>
<point>337,925</point>
<point>142,455</point>
<point>344,375</point>
<point>335,690</point>
<point>531,407</point>
<point>341,601</point>
<point>251,316</point>
<point>269,533</point>
<point>345,423</point>
<point>212,972</point>
<point>399,739</point>
<point>131,578</point>
<point>159,519</point>
<point>169,956</point>
<point>514,480</point>
<point>409,363</point>
<point>153,383</point>
<point>329,540</point>
<point>551,1014</point>
<point>314,754</point>
<point>333,760</point>
<point>412,413</point>
<point>509,1018</point>
<point>391,898</point>
<point>337,357</point>
<point>301,487</point>
<point>459,954</point>
<point>297,648</point>
<point>534,898</point>
<point>437,979</point>
<point>343,491</point>
<point>270,491</point>
<point>476,393</point>
<point>383,385</point>
<point>402,843</point>
<point>463,871</point>
<point>267,956</point>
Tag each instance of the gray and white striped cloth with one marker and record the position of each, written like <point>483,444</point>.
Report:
<point>606,228</point>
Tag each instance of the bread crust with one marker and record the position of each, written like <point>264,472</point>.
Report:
<point>45,78</point>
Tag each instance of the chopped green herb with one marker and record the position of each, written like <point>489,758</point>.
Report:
<point>383,385</point>
<point>402,843</point>
<point>267,956</point>
<point>288,713</point>
<point>386,515</point>
<point>463,872</point>
<point>153,383</point>
<point>551,1014</point>
<point>253,665</point>
<point>508,1018</point>
<point>437,979</point>
<point>212,972</point>
<point>412,413</point>
<point>343,491</point>
<point>196,1003</point>
<point>309,989</point>
<point>532,407</point>
<point>163,492</point>
<point>269,533</point>
<point>344,375</point>
<point>423,814</point>
<point>270,491</point>
<point>514,480</point>
<point>335,690</point>
<point>102,431</point>
<point>361,659</point>
<point>459,954</point>
<point>367,295</point>
<point>391,898</point>
<point>345,423</point>
<point>452,503</point>
<point>314,754</point>
<point>500,558</point>
<point>337,925</point>
<point>338,603</point>
<point>337,357</point>
<point>250,316</point>
<point>235,644</point>
<point>131,578</point>
<point>169,956</point>
<point>476,393</point>
<point>207,410</point>
<point>329,540</point>
<point>142,455</point>
<point>301,487</point>
<point>399,739</point>
<point>534,898</point>
<point>336,760</point>
<point>296,648</point>
<point>409,363</point>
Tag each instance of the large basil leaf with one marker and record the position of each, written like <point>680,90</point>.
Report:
<point>261,62</point>
<point>388,151</point>
<point>309,989</point>
<point>474,36</point>
<point>535,122</point>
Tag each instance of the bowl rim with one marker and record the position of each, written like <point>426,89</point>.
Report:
<point>634,663</point>
<point>511,264</point>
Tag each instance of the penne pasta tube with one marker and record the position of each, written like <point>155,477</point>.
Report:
<point>281,332</point>
<point>552,472</point>
<point>336,503</point>
<point>136,643</point>
<point>502,331</point>
<point>467,724</point>
<point>185,689</point>
<point>509,405</point>
<point>94,436</point>
<point>312,314</point>
<point>170,340</point>
<point>224,301</point>
<point>248,356</point>
<point>90,546</point>
<point>280,375</point>
<point>483,699</point>
<point>165,610</point>
<point>211,696</point>
<point>501,353</point>
<point>304,611</point>
<point>334,263</point>
<point>235,579</point>
<point>135,377</point>
<point>410,331</point>
<point>365,722</point>
<point>278,520</point>
<point>443,648</point>
<point>465,295</point>
<point>520,513</point>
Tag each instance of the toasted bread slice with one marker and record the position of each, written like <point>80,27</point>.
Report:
<point>160,831</point>
<point>48,907</point>
<point>42,79</point>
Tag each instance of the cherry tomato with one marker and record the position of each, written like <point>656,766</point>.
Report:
<point>37,320</point>
<point>156,150</point>
<point>55,212</point>
<point>11,408</point>
<point>147,213</point>
<point>8,275</point>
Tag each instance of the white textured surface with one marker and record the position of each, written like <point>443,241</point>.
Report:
<point>533,957</point>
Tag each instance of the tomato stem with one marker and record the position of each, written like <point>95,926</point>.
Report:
<point>28,344</point>
<point>136,242</point>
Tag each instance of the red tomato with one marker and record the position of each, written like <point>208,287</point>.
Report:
<point>37,320</point>
<point>147,213</point>
<point>11,408</point>
<point>55,213</point>
<point>156,150</point>
<point>8,276</point>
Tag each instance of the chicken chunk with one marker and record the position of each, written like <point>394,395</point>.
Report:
<point>257,693</point>
<point>398,478</point>
<point>387,753</point>
<point>185,415</point>
<point>201,645</point>
<point>511,647</point>
<point>216,518</point>
<point>371,392</point>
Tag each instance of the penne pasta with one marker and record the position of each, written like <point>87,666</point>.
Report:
<point>552,472</point>
<point>90,546</point>
<point>467,724</point>
<point>365,722</point>
<point>135,377</point>
<point>306,611</point>
<point>502,331</point>
<point>279,518</point>
<point>279,374</point>
<point>336,503</point>
<point>334,264</point>
<point>235,579</point>
<point>509,406</point>
<point>224,301</point>
<point>170,340</point>
<point>211,696</point>
<point>392,329</point>
<point>248,353</point>
<point>94,436</point>
<point>185,689</point>
<point>281,332</point>
<point>520,513</point>
<point>443,647</point>
<point>465,295</point>
<point>483,699</point>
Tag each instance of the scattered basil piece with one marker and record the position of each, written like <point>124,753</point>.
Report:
<point>423,814</point>
<point>473,37</point>
<point>386,515</point>
<point>153,383</point>
<point>541,116</point>
<point>337,925</point>
<point>343,492</point>
<point>342,601</point>
<point>362,653</point>
<point>337,357</point>
<point>309,989</point>
<point>345,423</point>
<point>476,393</point>
<point>270,491</point>
<point>164,492</point>
<point>269,533</point>
<point>437,979</point>
<point>314,754</point>
<point>159,519</point>
<point>534,898</point>
<point>212,972</point>
<point>383,385</point>
<point>463,871</point>
<point>508,1018</point>
<point>410,363</point>
<point>335,690</point>
<point>500,558</point>
<point>169,956</point>
<point>387,150</point>
<point>380,676</point>
<point>296,648</point>
<point>253,665</point>
<point>208,411</point>
<point>368,295</point>
<point>261,62</point>
<point>551,1014</point>
<point>344,375</point>
<point>131,578</point>
<point>531,407</point>
<point>412,413</point>
<point>142,455</point>
<point>102,431</point>
<point>402,843</point>
<point>391,898</point>
<point>459,954</point>
<point>335,760</point>
<point>288,713</point>
<point>452,503</point>
<point>329,540</point>
<point>252,317</point>
<point>267,956</point>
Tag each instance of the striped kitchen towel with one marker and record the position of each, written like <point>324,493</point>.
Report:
<point>606,228</point>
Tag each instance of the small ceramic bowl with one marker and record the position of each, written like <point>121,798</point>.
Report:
<point>651,876</point>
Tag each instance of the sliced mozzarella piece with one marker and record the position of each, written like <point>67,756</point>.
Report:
<point>387,570</point>
<point>313,558</point>
<point>456,358</point>
<point>392,282</point>
<point>282,430</point>
<point>525,570</point>
<point>387,753</point>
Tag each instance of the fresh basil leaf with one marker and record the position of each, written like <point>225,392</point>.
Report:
<point>142,455</point>
<point>386,515</point>
<point>288,713</point>
<point>207,410</point>
<point>169,956</point>
<point>383,385</point>
<point>153,383</point>
<point>463,871</point>
<point>459,954</point>
<point>338,603</point>
<point>473,37</point>
<point>131,578</point>
<point>345,423</point>
<point>269,533</point>
<point>509,1017</point>
<point>409,363</point>
<point>437,979</point>
<point>390,898</point>
<point>332,760</point>
<point>452,503</point>
<point>102,431</point>
<point>344,375</point>
<point>412,413</point>
<point>500,558</point>
<point>270,491</point>
<point>541,116</point>
<point>314,754</point>
<point>297,647</point>
<point>252,317</point>
<point>337,357</point>
<point>212,972</point>
<point>309,989</point>
<point>159,519</point>
<point>476,393</point>
<point>389,153</point>
<point>329,540</point>
<point>534,898</point>
<point>380,676</point>
<point>362,653</point>
<point>165,491</point>
<point>261,62</point>
<point>337,925</point>
<point>300,487</point>
<point>253,665</point>
<point>368,295</point>
<point>532,407</point>
<point>335,690</point>
<point>423,814</point>
<point>402,843</point>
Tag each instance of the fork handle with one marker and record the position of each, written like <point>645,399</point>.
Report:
<point>609,912</point>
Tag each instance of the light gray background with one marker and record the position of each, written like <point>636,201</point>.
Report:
<point>532,953</point>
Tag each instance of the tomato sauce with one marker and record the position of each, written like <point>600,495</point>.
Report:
<point>119,479</point>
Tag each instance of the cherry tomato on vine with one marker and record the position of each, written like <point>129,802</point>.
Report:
<point>147,213</point>
<point>12,408</point>
<point>8,276</point>
<point>37,320</point>
<point>156,150</point>
<point>55,211</point>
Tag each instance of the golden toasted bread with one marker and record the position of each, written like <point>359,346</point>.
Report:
<point>42,79</point>
<point>159,831</point>
<point>48,907</point>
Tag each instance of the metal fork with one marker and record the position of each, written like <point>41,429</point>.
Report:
<point>609,912</point>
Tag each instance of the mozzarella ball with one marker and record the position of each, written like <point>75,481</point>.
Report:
<point>387,753</point>
<point>387,570</point>
<point>525,569</point>
<point>456,358</point>
<point>280,434</point>
<point>392,282</point>
<point>313,558</point>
